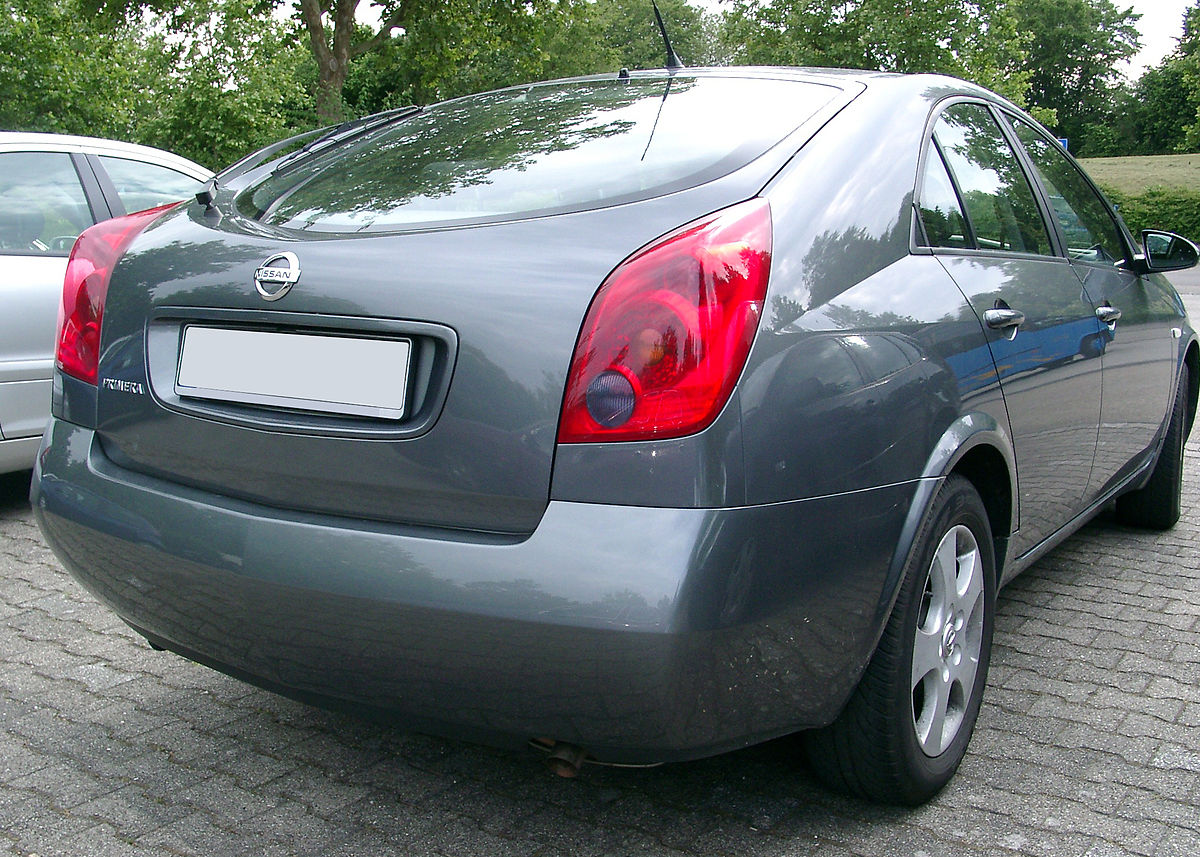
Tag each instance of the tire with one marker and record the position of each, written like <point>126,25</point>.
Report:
<point>904,731</point>
<point>1157,505</point>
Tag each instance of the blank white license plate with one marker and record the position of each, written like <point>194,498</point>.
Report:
<point>330,374</point>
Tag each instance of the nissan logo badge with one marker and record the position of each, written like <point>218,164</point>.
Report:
<point>274,277</point>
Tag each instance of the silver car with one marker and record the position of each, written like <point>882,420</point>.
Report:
<point>52,187</point>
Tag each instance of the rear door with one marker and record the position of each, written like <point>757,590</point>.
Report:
<point>1136,339</point>
<point>981,216</point>
<point>43,208</point>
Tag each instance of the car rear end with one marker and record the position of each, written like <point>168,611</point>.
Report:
<point>308,433</point>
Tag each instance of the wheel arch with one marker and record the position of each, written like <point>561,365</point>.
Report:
<point>988,471</point>
<point>1191,359</point>
<point>977,447</point>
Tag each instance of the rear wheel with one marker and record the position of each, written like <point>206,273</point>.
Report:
<point>906,728</point>
<point>1157,504</point>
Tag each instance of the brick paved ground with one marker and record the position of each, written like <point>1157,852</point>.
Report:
<point>1088,743</point>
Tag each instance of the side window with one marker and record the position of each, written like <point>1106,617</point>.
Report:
<point>42,206</point>
<point>941,212</point>
<point>141,185</point>
<point>1091,232</point>
<point>1001,206</point>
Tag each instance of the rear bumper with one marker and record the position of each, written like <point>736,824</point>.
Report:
<point>642,634</point>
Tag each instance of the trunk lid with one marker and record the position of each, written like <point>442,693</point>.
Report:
<point>491,315</point>
<point>446,261</point>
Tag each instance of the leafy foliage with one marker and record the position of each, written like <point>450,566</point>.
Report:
<point>626,30</point>
<point>1074,55</point>
<point>973,39</point>
<point>213,79</point>
<point>474,45</point>
<point>1162,107</point>
<point>64,72</point>
<point>227,83</point>
<point>1187,58</point>
<point>1159,113</point>
<point>1172,209</point>
<point>465,46</point>
<point>211,82</point>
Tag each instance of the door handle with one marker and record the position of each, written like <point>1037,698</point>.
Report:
<point>1108,314</point>
<point>998,319</point>
<point>1004,318</point>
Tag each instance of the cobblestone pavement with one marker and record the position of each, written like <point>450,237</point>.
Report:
<point>1088,743</point>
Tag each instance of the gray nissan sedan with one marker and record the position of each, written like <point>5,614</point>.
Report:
<point>638,417</point>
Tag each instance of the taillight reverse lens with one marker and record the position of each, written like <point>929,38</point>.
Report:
<point>668,332</point>
<point>85,287</point>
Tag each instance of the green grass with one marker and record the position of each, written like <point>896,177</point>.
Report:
<point>1135,175</point>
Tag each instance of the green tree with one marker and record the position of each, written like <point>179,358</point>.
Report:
<point>1161,107</point>
<point>63,71</point>
<point>1154,115</point>
<point>1074,55</point>
<point>483,44</point>
<point>626,29</point>
<point>1187,61</point>
<point>227,82</point>
<point>425,50</point>
<point>473,45</point>
<point>972,39</point>
<point>335,38</point>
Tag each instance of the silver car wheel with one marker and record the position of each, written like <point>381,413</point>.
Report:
<point>949,638</point>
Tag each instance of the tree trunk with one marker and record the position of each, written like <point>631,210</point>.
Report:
<point>333,61</point>
<point>333,57</point>
<point>330,109</point>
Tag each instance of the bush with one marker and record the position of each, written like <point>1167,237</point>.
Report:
<point>1172,209</point>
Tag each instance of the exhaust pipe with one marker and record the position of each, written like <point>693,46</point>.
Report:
<point>562,758</point>
<point>566,759</point>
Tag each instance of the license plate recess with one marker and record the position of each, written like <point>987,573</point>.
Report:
<point>335,374</point>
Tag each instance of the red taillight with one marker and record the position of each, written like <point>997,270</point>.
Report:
<point>668,332</point>
<point>85,287</point>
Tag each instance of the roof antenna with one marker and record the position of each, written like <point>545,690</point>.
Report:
<point>673,61</point>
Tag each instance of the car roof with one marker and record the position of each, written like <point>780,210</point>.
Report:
<point>23,141</point>
<point>926,87</point>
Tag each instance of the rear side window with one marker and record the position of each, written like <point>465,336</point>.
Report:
<point>1090,231</point>
<point>536,150</point>
<point>141,185</point>
<point>42,206</point>
<point>1000,202</point>
<point>941,210</point>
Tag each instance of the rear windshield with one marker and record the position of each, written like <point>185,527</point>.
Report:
<point>536,150</point>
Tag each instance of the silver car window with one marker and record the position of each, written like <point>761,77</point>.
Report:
<point>42,205</point>
<point>141,185</point>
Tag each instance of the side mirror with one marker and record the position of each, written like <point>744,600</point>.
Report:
<point>1164,251</point>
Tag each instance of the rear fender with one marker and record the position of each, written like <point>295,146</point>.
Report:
<point>973,432</point>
